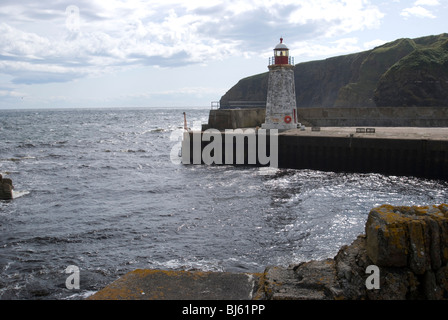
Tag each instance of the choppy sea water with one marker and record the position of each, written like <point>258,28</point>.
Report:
<point>97,189</point>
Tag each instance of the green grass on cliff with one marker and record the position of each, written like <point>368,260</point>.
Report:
<point>418,79</point>
<point>399,73</point>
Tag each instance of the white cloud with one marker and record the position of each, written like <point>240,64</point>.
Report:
<point>315,50</point>
<point>338,16</point>
<point>427,3</point>
<point>418,12</point>
<point>10,93</point>
<point>59,45</point>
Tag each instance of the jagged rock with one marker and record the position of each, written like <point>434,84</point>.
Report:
<point>408,236</point>
<point>386,244</point>
<point>407,244</point>
<point>313,280</point>
<point>351,263</point>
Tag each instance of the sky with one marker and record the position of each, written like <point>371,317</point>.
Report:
<point>135,53</point>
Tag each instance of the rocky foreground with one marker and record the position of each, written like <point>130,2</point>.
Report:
<point>402,256</point>
<point>409,245</point>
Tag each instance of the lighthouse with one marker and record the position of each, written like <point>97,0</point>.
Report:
<point>281,96</point>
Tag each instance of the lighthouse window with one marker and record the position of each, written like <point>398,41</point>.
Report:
<point>281,53</point>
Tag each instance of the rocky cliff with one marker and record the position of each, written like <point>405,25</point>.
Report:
<point>405,72</point>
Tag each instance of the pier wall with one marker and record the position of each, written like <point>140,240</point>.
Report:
<point>336,117</point>
<point>425,158</point>
<point>422,158</point>
<point>376,117</point>
<point>236,118</point>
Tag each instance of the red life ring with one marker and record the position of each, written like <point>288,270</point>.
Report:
<point>288,119</point>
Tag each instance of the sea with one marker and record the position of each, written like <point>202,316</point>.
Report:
<point>103,190</point>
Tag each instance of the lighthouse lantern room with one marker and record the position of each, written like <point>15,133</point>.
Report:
<point>281,53</point>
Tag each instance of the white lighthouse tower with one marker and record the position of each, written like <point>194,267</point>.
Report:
<point>281,105</point>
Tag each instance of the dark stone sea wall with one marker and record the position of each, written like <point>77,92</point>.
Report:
<point>390,154</point>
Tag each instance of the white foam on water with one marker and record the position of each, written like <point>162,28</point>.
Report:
<point>18,194</point>
<point>81,296</point>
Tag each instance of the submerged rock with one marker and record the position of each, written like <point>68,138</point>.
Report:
<point>6,188</point>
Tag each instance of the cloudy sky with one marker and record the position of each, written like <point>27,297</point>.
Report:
<point>135,53</point>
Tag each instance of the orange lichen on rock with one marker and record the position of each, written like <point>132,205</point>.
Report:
<point>414,236</point>
<point>151,284</point>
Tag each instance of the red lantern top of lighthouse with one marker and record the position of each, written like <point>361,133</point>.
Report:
<point>281,54</point>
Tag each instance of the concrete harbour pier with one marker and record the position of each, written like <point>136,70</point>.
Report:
<point>407,151</point>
